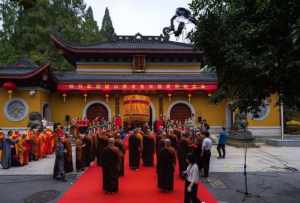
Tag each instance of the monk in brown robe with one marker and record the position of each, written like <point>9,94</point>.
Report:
<point>110,160</point>
<point>87,150</point>
<point>68,155</point>
<point>119,144</point>
<point>166,167</point>
<point>148,148</point>
<point>102,142</point>
<point>182,151</point>
<point>173,138</point>
<point>135,149</point>
<point>79,153</point>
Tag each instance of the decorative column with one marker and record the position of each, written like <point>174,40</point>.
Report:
<point>161,105</point>
<point>117,104</point>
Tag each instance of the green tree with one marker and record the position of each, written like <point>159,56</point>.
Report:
<point>90,30</point>
<point>25,31</point>
<point>254,46</point>
<point>107,29</point>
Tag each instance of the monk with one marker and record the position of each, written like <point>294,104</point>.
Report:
<point>173,138</point>
<point>183,150</point>
<point>135,149</point>
<point>87,157</point>
<point>42,144</point>
<point>166,167</point>
<point>26,150</point>
<point>59,171</point>
<point>68,155</point>
<point>79,153</point>
<point>119,144</point>
<point>6,150</point>
<point>110,160</point>
<point>35,146</point>
<point>15,159</point>
<point>20,150</point>
<point>1,143</point>
<point>102,142</point>
<point>148,148</point>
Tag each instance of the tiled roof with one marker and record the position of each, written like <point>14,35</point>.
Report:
<point>22,69</point>
<point>129,42</point>
<point>140,77</point>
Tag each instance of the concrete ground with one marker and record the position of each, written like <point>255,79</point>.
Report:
<point>273,174</point>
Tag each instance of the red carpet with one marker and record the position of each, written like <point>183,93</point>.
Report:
<point>136,187</point>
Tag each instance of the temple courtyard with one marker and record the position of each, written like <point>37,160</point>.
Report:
<point>273,177</point>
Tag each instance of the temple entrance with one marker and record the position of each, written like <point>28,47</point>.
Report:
<point>180,112</point>
<point>46,112</point>
<point>97,110</point>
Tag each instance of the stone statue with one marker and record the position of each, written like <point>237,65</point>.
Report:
<point>35,121</point>
<point>241,122</point>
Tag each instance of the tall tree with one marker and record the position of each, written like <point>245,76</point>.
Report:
<point>25,31</point>
<point>254,46</point>
<point>90,30</point>
<point>107,29</point>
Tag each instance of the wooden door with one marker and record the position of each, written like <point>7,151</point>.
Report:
<point>97,110</point>
<point>180,112</point>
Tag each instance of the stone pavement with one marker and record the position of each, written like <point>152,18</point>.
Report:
<point>263,159</point>
<point>273,174</point>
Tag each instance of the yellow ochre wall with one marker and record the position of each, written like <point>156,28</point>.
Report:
<point>34,103</point>
<point>128,67</point>
<point>273,118</point>
<point>74,106</point>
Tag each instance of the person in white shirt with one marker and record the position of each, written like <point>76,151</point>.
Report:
<point>191,180</point>
<point>206,153</point>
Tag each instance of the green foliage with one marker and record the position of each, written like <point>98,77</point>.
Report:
<point>254,46</point>
<point>26,31</point>
<point>107,29</point>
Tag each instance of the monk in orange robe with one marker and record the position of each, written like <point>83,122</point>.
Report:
<point>1,141</point>
<point>35,146</point>
<point>42,144</point>
<point>20,149</point>
<point>29,141</point>
<point>26,150</point>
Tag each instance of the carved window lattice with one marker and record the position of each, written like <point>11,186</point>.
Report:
<point>139,63</point>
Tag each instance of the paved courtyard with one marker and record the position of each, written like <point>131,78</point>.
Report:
<point>273,175</point>
<point>262,159</point>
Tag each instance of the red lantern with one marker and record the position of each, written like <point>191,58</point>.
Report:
<point>10,87</point>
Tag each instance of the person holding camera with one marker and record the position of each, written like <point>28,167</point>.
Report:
<point>191,180</point>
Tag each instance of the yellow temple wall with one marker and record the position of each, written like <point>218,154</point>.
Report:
<point>34,103</point>
<point>213,113</point>
<point>273,116</point>
<point>75,104</point>
<point>150,67</point>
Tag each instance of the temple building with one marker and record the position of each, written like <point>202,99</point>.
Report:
<point>107,76</point>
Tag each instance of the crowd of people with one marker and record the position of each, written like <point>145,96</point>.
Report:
<point>170,142</point>
<point>18,149</point>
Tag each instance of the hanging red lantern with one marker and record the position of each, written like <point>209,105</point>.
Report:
<point>10,87</point>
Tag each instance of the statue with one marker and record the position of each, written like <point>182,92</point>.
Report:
<point>35,121</point>
<point>241,122</point>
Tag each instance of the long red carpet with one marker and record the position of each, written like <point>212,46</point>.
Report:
<point>136,187</point>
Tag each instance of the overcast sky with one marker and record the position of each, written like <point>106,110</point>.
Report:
<point>148,17</point>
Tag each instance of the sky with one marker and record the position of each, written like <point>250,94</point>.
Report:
<point>129,17</point>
